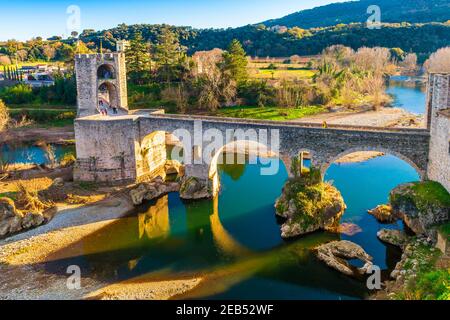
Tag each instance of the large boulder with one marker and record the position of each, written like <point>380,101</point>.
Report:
<point>421,206</point>
<point>173,167</point>
<point>193,188</point>
<point>152,190</point>
<point>10,218</point>
<point>32,220</point>
<point>394,237</point>
<point>309,208</point>
<point>384,214</point>
<point>335,255</point>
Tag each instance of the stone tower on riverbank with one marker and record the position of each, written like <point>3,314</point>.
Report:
<point>101,77</point>
<point>438,121</point>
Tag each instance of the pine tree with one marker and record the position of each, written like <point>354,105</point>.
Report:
<point>235,61</point>
<point>138,58</point>
<point>168,54</point>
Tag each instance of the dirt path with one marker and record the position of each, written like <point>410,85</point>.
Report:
<point>386,117</point>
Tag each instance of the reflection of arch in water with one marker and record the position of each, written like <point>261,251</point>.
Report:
<point>325,166</point>
<point>222,238</point>
<point>154,223</point>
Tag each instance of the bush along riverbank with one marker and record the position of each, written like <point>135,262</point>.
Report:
<point>308,204</point>
<point>423,273</point>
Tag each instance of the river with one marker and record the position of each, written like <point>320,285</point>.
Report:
<point>409,93</point>
<point>234,242</point>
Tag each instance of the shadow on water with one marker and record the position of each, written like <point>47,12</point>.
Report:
<point>233,243</point>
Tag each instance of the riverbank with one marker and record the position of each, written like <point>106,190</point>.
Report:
<point>54,135</point>
<point>22,258</point>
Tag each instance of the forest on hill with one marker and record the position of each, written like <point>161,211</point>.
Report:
<point>413,11</point>
<point>258,40</point>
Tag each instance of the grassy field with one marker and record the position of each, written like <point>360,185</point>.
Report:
<point>269,113</point>
<point>288,74</point>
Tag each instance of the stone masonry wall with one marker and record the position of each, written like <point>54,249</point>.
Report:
<point>106,149</point>
<point>439,156</point>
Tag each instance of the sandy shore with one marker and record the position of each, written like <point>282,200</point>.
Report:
<point>359,156</point>
<point>24,276</point>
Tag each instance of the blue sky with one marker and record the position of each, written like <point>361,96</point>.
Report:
<point>23,19</point>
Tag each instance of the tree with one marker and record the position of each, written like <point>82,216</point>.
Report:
<point>439,61</point>
<point>168,53</point>
<point>138,58</point>
<point>216,88</point>
<point>49,52</point>
<point>409,63</point>
<point>4,116</point>
<point>398,54</point>
<point>235,62</point>
<point>4,60</point>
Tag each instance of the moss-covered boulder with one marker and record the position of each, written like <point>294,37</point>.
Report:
<point>309,205</point>
<point>394,237</point>
<point>422,206</point>
<point>193,188</point>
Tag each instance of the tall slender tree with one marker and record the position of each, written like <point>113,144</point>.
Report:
<point>235,61</point>
<point>138,58</point>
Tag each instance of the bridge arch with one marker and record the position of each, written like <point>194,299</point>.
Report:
<point>107,92</point>
<point>154,149</point>
<point>324,167</point>
<point>106,71</point>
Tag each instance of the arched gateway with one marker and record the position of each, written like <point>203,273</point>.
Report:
<point>110,148</point>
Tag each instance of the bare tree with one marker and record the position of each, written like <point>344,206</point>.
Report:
<point>439,61</point>
<point>377,60</point>
<point>409,64</point>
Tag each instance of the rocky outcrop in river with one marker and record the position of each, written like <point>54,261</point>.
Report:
<point>309,207</point>
<point>384,214</point>
<point>193,188</point>
<point>152,190</point>
<point>394,237</point>
<point>335,255</point>
<point>421,206</point>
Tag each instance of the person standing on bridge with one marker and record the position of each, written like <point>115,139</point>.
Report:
<point>103,109</point>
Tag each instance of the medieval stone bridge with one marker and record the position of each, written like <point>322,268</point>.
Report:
<point>114,148</point>
<point>131,145</point>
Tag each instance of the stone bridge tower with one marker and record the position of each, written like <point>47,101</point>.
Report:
<point>438,120</point>
<point>101,77</point>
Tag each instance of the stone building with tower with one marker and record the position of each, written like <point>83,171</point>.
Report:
<point>101,77</point>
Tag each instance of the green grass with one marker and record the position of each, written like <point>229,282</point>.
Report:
<point>284,73</point>
<point>432,192</point>
<point>46,117</point>
<point>269,113</point>
<point>445,229</point>
<point>40,106</point>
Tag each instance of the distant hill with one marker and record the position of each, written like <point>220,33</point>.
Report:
<point>413,11</point>
<point>422,39</point>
